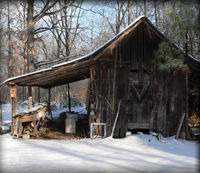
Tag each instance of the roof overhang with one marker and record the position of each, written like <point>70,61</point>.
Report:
<point>66,72</point>
<point>79,68</point>
<point>57,75</point>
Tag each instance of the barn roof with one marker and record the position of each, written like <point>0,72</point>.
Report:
<point>79,68</point>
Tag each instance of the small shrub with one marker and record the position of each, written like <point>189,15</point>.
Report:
<point>75,102</point>
<point>65,103</point>
<point>53,107</point>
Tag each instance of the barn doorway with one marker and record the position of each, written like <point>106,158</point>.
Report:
<point>139,117</point>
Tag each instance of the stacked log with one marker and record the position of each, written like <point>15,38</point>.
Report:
<point>30,120</point>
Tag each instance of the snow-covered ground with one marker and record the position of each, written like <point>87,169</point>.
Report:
<point>22,107</point>
<point>6,109</point>
<point>134,154</point>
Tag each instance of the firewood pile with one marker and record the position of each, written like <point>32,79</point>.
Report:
<point>194,124</point>
<point>194,120</point>
<point>38,111</point>
<point>32,120</point>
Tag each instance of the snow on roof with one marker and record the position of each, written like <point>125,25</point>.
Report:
<point>104,45</point>
<point>90,54</point>
<point>75,60</point>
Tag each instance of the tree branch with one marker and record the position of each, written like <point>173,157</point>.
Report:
<point>45,9</point>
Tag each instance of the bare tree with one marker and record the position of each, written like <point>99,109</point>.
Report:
<point>32,20</point>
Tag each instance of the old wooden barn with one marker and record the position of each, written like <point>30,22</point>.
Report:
<point>123,86</point>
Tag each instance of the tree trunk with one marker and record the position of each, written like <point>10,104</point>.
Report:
<point>145,7</point>
<point>155,11</point>
<point>66,32</point>
<point>1,108</point>
<point>10,57</point>
<point>30,37</point>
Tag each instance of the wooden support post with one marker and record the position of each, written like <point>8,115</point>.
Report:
<point>29,102</point>
<point>20,128</point>
<point>38,95</point>
<point>35,128</point>
<point>69,99</point>
<point>186,107</point>
<point>13,91</point>
<point>113,129</point>
<point>29,97</point>
<point>180,125</point>
<point>49,103</point>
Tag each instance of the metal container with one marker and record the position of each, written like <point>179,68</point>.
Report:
<point>72,116</point>
<point>70,126</point>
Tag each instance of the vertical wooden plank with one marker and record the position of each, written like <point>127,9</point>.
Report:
<point>98,90</point>
<point>140,53</point>
<point>20,128</point>
<point>108,107</point>
<point>104,94</point>
<point>120,57</point>
<point>152,119</point>
<point>134,52</point>
<point>128,45</point>
<point>161,119</point>
<point>91,80</point>
<point>35,128</point>
<point>125,51</point>
<point>147,47</point>
<point>150,54</point>
<point>121,94</point>
<point>186,106</point>
<point>38,94</point>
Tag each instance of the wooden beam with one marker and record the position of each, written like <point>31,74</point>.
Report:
<point>196,90</point>
<point>54,71</point>
<point>138,126</point>
<point>154,30</point>
<point>180,125</point>
<point>58,82</point>
<point>62,76</point>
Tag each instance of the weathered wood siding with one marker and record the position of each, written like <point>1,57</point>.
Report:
<point>131,83</point>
